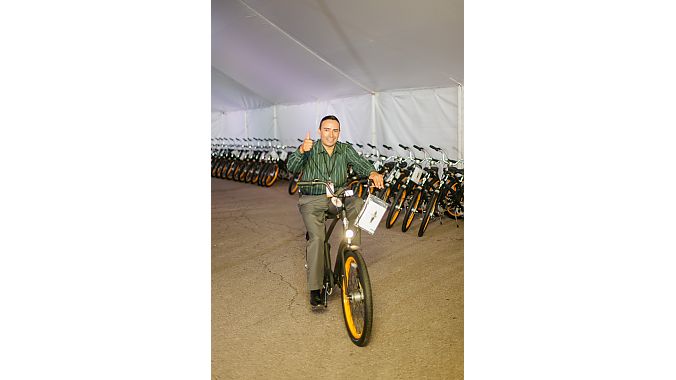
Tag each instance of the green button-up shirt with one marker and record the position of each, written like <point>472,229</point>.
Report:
<point>317,164</point>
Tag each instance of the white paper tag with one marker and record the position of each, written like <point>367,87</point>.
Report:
<point>283,155</point>
<point>415,177</point>
<point>371,213</point>
<point>274,155</point>
<point>349,193</point>
<point>329,187</point>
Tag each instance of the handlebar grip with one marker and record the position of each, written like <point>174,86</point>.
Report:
<point>387,147</point>
<point>299,140</point>
<point>435,148</point>
<point>372,146</point>
<point>403,146</point>
<point>348,142</point>
<point>417,147</point>
<point>360,146</point>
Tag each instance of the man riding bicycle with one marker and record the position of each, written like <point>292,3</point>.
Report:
<point>328,162</point>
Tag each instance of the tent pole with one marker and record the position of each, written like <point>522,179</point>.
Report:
<point>374,140</point>
<point>275,132</point>
<point>246,125</point>
<point>461,123</point>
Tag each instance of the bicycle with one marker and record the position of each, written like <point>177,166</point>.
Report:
<point>448,198</point>
<point>349,273</point>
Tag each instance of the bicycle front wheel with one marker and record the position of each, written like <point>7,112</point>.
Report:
<point>412,209</point>
<point>429,213</point>
<point>357,302</point>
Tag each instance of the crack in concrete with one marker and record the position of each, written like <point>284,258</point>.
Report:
<point>266,265</point>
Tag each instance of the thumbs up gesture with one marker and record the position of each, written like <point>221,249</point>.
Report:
<point>307,144</point>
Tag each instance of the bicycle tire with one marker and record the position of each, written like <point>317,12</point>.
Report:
<point>454,208</point>
<point>395,208</point>
<point>293,183</point>
<point>356,188</point>
<point>250,173</point>
<point>411,211</point>
<point>356,297</point>
<point>224,170</point>
<point>384,193</point>
<point>431,207</point>
<point>215,168</point>
<point>236,168</point>
<point>271,175</point>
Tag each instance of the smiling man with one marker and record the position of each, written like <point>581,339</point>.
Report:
<point>327,161</point>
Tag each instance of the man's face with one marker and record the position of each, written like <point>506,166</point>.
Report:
<point>329,131</point>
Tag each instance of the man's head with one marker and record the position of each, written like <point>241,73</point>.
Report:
<point>329,130</point>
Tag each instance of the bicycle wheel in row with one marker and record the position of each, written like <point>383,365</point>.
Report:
<point>271,175</point>
<point>293,182</point>
<point>395,208</point>
<point>431,208</point>
<point>455,207</point>
<point>411,211</point>
<point>357,302</point>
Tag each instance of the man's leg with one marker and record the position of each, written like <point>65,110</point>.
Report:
<point>312,208</point>
<point>353,205</point>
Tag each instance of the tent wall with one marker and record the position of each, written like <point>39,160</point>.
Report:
<point>422,117</point>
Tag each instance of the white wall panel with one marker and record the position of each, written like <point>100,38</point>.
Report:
<point>421,117</point>
<point>230,124</point>
<point>259,123</point>
<point>293,122</point>
<point>354,114</point>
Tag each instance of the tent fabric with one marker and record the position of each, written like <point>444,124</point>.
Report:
<point>420,117</point>
<point>273,48</point>
<point>388,70</point>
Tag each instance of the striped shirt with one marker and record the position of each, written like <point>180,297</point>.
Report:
<point>317,164</point>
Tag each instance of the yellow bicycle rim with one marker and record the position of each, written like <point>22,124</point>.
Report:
<point>346,301</point>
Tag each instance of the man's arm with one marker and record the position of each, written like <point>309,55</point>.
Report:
<point>299,157</point>
<point>363,167</point>
<point>297,161</point>
<point>360,165</point>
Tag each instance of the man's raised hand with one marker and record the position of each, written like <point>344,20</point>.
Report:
<point>307,144</point>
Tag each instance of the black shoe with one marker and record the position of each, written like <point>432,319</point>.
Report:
<point>315,297</point>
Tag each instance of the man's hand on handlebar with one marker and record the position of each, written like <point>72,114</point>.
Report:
<point>377,179</point>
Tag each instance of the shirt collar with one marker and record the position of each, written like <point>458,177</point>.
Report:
<point>338,148</point>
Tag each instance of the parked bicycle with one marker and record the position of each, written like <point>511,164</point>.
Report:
<point>447,199</point>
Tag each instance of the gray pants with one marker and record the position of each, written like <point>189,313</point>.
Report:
<point>312,208</point>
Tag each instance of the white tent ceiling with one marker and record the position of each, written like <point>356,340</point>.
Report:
<point>267,52</point>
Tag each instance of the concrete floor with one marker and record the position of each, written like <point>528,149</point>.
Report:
<point>262,324</point>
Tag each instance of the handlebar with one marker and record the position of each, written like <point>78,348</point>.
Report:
<point>335,194</point>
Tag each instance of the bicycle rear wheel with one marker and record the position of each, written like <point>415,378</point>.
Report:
<point>357,302</point>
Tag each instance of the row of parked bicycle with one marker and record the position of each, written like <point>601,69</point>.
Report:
<point>425,189</point>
